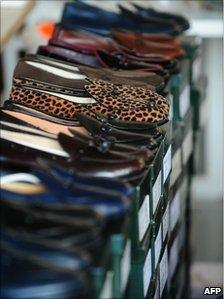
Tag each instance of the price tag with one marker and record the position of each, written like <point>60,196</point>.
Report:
<point>107,288</point>
<point>165,222</point>
<point>147,272</point>
<point>125,265</point>
<point>163,270</point>
<point>156,191</point>
<point>174,211</point>
<point>167,164</point>
<point>143,217</point>
<point>197,69</point>
<point>176,167</point>
<point>185,100</point>
<point>173,258</point>
<point>158,246</point>
<point>187,146</point>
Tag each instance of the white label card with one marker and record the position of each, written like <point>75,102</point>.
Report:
<point>158,246</point>
<point>165,222</point>
<point>171,107</point>
<point>106,292</point>
<point>167,164</point>
<point>163,270</point>
<point>125,266</point>
<point>156,191</point>
<point>174,210</point>
<point>147,272</point>
<point>185,100</point>
<point>143,217</point>
<point>197,68</point>
<point>176,166</point>
<point>187,146</point>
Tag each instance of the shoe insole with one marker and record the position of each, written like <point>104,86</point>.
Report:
<point>37,113</point>
<point>59,64</point>
<point>44,144</point>
<point>23,188</point>
<point>26,129</point>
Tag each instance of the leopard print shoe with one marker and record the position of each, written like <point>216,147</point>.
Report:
<point>120,103</point>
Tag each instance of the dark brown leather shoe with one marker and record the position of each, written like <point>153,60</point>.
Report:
<point>17,147</point>
<point>105,130</point>
<point>102,144</point>
<point>138,78</point>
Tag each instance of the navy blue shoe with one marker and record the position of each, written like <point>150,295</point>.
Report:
<point>67,260</point>
<point>108,204</point>
<point>110,185</point>
<point>79,15</point>
<point>34,224</point>
<point>24,278</point>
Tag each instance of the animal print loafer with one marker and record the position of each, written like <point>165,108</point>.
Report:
<point>123,103</point>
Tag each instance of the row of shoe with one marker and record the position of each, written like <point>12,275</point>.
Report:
<point>79,14</point>
<point>82,124</point>
<point>124,50</point>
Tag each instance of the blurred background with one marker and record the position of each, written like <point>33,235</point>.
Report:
<point>27,24</point>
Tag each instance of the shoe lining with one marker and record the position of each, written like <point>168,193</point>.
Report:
<point>56,63</point>
<point>56,71</point>
<point>19,177</point>
<point>27,129</point>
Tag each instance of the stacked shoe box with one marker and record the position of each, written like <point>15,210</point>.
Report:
<point>142,250</point>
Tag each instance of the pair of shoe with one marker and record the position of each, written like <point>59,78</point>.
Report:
<point>43,224</point>
<point>84,16</point>
<point>92,156</point>
<point>24,277</point>
<point>38,269</point>
<point>122,42</point>
<point>62,92</point>
<point>65,201</point>
<point>121,53</point>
